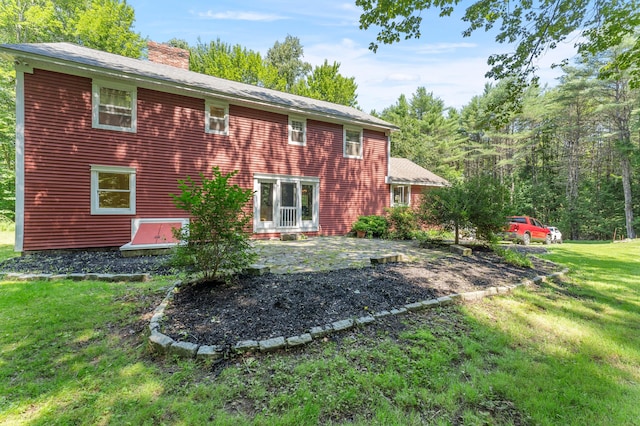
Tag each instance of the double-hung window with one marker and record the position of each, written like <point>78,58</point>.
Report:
<point>352,143</point>
<point>216,118</point>
<point>297,131</point>
<point>114,106</point>
<point>113,190</point>
<point>400,195</point>
<point>285,203</point>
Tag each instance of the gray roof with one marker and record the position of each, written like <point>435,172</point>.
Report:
<point>97,61</point>
<point>402,170</point>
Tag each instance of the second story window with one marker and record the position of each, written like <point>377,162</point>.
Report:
<point>352,143</point>
<point>297,131</point>
<point>114,107</point>
<point>217,118</point>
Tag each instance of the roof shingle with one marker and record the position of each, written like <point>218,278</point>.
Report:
<point>71,54</point>
<point>402,170</point>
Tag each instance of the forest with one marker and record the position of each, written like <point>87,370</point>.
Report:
<point>567,154</point>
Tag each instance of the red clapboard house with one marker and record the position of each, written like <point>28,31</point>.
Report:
<point>102,139</point>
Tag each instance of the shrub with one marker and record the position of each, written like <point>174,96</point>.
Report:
<point>217,237</point>
<point>403,222</point>
<point>512,257</point>
<point>372,226</point>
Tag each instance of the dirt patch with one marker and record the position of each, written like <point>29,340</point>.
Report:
<point>273,305</point>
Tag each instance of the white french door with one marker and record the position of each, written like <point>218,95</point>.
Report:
<point>285,203</point>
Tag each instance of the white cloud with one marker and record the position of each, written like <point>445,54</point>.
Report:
<point>403,77</point>
<point>241,16</point>
<point>438,48</point>
<point>382,79</point>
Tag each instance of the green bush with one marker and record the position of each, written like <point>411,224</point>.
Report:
<point>217,238</point>
<point>403,222</point>
<point>512,257</point>
<point>372,226</point>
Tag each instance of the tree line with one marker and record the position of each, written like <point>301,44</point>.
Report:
<point>566,156</point>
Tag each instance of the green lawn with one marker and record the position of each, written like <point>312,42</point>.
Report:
<point>6,245</point>
<point>567,352</point>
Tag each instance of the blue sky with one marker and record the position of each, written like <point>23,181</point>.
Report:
<point>442,61</point>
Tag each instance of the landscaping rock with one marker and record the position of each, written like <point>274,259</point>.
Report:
<point>299,340</point>
<point>184,349</point>
<point>430,303</point>
<point>365,320</point>
<point>246,346</point>
<point>272,344</point>
<point>416,306</point>
<point>445,300</point>
<point>461,250</point>
<point>159,342</point>
<point>257,270</point>
<point>391,258</point>
<point>317,332</point>
<point>207,352</point>
<point>342,325</point>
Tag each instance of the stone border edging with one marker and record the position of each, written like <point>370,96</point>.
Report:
<point>163,344</point>
<point>76,277</point>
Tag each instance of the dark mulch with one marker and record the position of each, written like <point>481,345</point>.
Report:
<point>287,305</point>
<point>257,308</point>
<point>87,262</point>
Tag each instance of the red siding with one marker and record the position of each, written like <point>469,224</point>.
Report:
<point>170,143</point>
<point>416,195</point>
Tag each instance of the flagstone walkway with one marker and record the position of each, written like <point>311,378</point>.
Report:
<point>331,253</point>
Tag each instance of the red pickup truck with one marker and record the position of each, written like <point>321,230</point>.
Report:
<point>526,229</point>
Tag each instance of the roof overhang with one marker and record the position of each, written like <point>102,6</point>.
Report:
<point>29,60</point>
<point>395,181</point>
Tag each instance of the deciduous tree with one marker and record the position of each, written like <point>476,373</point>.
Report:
<point>286,57</point>
<point>532,27</point>
<point>326,83</point>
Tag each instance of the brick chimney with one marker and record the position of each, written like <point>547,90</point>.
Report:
<point>167,55</point>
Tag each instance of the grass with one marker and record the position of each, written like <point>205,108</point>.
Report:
<point>6,245</point>
<point>566,352</point>
<point>513,257</point>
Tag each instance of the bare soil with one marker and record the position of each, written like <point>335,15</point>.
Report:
<point>262,307</point>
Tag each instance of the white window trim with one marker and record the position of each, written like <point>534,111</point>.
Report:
<point>95,88</point>
<point>304,131</point>
<point>260,227</point>
<point>408,195</point>
<point>207,122</point>
<point>95,207</point>
<point>344,142</point>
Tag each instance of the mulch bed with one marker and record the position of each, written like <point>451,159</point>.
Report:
<point>276,305</point>
<point>257,308</point>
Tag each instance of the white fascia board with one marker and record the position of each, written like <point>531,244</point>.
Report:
<point>20,119</point>
<point>168,86</point>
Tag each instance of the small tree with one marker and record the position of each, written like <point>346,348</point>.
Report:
<point>216,239</point>
<point>448,206</point>
<point>479,202</point>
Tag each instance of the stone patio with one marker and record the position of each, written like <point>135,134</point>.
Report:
<point>331,253</point>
